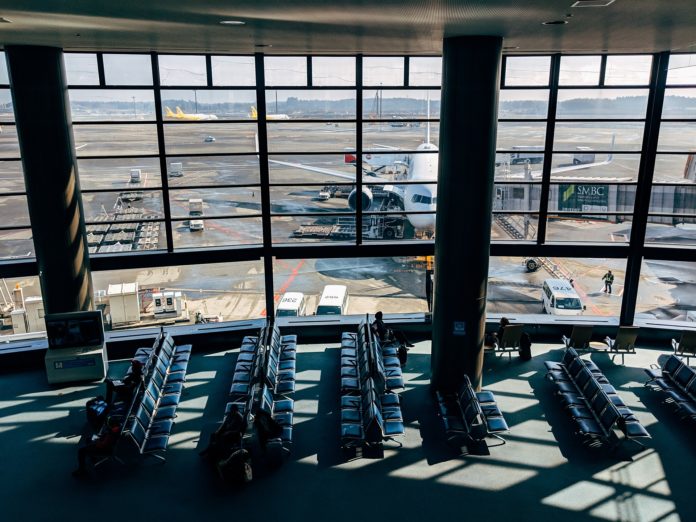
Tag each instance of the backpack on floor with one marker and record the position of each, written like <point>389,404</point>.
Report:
<point>402,353</point>
<point>525,347</point>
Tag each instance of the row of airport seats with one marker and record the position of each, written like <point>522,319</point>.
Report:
<point>624,343</point>
<point>151,415</point>
<point>370,410</point>
<point>592,402</point>
<point>470,416</point>
<point>264,380</point>
<point>678,381</point>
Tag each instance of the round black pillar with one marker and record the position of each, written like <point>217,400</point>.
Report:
<point>44,128</point>
<point>468,124</point>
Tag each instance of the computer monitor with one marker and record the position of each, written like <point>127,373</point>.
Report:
<point>74,329</point>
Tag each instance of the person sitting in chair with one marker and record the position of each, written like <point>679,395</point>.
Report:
<point>125,388</point>
<point>387,334</point>
<point>101,445</point>
<point>227,437</point>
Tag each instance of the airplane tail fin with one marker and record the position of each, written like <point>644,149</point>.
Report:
<point>168,112</point>
<point>179,112</point>
<point>610,157</point>
<point>427,125</point>
<point>254,114</point>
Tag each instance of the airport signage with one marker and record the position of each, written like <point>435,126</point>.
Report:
<point>583,197</point>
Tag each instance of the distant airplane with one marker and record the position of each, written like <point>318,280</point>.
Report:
<point>255,115</point>
<point>181,115</point>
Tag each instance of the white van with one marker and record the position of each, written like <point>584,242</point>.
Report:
<point>334,300</point>
<point>292,304</point>
<point>558,297</point>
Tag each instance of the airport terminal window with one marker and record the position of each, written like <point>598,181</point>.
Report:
<point>207,105</point>
<point>81,68</point>
<point>112,105</point>
<point>285,70</point>
<point>523,104</point>
<point>311,104</point>
<point>333,71</point>
<point>515,289</point>
<point>4,76</point>
<point>682,69</point>
<point>527,71</point>
<point>424,70</point>
<point>207,189</point>
<point>579,70</point>
<point>628,70</point>
<point>182,70</point>
<point>672,211</point>
<point>213,292</point>
<point>15,233</point>
<point>666,291</point>
<point>201,231</point>
<point>383,71</point>
<point>238,71</point>
<point>127,69</point>
<point>21,293</point>
<point>390,284</point>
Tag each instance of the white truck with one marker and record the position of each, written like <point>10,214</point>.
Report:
<point>136,176</point>
<point>195,207</point>
<point>176,169</point>
<point>583,155</point>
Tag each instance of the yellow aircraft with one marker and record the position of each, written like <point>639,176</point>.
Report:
<point>255,115</point>
<point>181,115</point>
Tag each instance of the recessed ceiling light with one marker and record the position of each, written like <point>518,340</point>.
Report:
<point>232,22</point>
<point>593,3</point>
<point>555,22</point>
<point>4,20</point>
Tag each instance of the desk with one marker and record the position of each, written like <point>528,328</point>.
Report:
<point>76,364</point>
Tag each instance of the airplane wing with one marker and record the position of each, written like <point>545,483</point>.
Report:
<point>328,172</point>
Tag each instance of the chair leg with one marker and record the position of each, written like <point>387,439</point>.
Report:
<point>495,435</point>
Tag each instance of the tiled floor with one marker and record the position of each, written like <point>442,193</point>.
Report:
<point>541,473</point>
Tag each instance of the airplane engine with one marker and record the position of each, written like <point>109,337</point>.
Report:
<point>366,199</point>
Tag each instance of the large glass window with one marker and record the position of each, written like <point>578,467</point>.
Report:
<point>191,165</point>
<point>389,284</point>
<point>15,233</point>
<point>214,292</point>
<point>562,288</point>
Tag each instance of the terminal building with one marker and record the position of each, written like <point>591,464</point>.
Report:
<point>479,172</point>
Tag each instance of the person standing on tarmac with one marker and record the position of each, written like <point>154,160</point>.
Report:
<point>608,279</point>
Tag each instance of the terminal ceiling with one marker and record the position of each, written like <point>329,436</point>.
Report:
<point>348,26</point>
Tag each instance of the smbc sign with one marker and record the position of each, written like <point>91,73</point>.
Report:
<point>583,197</point>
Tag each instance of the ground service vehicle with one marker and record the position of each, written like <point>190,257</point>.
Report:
<point>334,300</point>
<point>558,297</point>
<point>195,207</point>
<point>292,304</point>
<point>196,224</point>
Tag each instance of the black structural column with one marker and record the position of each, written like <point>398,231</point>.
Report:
<point>44,128</point>
<point>470,80</point>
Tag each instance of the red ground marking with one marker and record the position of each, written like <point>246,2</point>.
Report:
<point>286,284</point>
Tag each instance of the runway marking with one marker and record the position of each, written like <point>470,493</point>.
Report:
<point>81,146</point>
<point>283,288</point>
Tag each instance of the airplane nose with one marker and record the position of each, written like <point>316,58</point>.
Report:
<point>423,221</point>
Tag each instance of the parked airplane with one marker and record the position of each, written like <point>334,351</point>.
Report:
<point>181,115</point>
<point>255,115</point>
<point>422,169</point>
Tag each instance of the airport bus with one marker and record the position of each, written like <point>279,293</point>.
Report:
<point>334,300</point>
<point>292,304</point>
<point>558,297</point>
